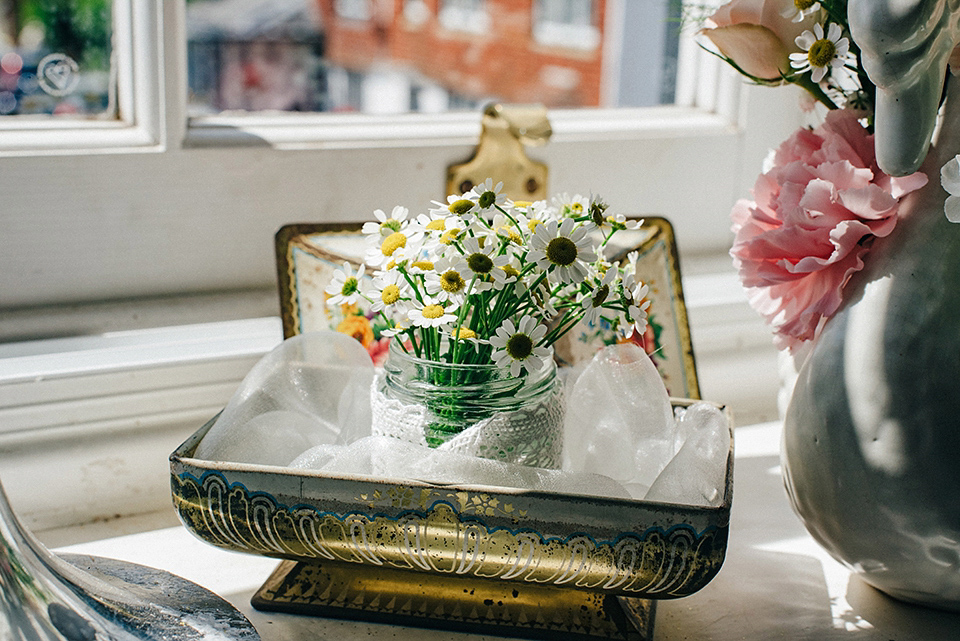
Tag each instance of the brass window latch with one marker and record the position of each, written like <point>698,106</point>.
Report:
<point>500,154</point>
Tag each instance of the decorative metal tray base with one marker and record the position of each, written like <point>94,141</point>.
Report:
<point>495,560</point>
<point>490,607</point>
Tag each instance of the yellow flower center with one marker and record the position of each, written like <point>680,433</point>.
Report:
<point>461,206</point>
<point>452,282</point>
<point>511,271</point>
<point>437,225</point>
<point>390,294</point>
<point>822,52</point>
<point>464,333</point>
<point>561,251</point>
<point>803,5</point>
<point>532,225</point>
<point>393,242</point>
<point>391,264</point>
<point>522,204</point>
<point>479,263</point>
<point>450,236</point>
<point>432,311</point>
<point>576,208</point>
<point>519,346</point>
<point>425,265</point>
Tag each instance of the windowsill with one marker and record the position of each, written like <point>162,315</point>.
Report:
<point>775,582</point>
<point>361,131</point>
<point>236,576</point>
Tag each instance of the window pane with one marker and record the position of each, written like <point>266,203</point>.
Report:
<point>55,58</point>
<point>395,56</point>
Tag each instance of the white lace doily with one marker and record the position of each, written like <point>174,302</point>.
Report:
<point>530,435</point>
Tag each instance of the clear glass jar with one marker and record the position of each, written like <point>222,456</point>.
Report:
<point>515,419</point>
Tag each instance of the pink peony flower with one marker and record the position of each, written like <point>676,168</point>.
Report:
<point>758,35</point>
<point>814,214</point>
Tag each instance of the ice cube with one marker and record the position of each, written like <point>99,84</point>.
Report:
<point>310,390</point>
<point>271,438</point>
<point>697,474</point>
<point>619,419</point>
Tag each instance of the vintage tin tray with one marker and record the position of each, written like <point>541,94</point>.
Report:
<point>497,560</point>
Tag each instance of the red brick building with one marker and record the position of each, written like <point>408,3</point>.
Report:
<point>546,51</point>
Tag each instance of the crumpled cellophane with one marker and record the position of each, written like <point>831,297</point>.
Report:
<point>307,405</point>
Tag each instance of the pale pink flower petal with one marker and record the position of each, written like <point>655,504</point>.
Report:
<point>755,49</point>
<point>813,217</point>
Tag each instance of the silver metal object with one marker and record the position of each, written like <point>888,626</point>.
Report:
<point>45,597</point>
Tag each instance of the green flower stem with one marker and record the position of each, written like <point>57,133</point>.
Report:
<point>499,313</point>
<point>613,230</point>
<point>562,328</point>
<point>806,82</point>
<point>463,313</point>
<point>513,220</point>
<point>836,11</point>
<point>413,341</point>
<point>520,301</point>
<point>409,279</point>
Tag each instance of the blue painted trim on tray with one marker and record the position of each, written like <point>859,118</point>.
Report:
<point>342,518</point>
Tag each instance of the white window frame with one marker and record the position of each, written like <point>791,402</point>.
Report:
<point>468,16</point>
<point>161,220</point>
<point>564,34</point>
<point>357,10</point>
<point>138,67</point>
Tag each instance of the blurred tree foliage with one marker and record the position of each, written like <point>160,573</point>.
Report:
<point>82,29</point>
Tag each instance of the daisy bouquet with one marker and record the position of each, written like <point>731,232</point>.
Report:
<point>481,279</point>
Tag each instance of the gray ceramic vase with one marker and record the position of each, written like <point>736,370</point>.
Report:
<point>871,448</point>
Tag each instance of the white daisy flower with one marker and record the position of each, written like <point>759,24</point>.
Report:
<point>514,227</point>
<point>434,224</point>
<point>449,281</point>
<point>619,221</point>
<point>950,179</point>
<point>565,249</point>
<point>398,246</point>
<point>635,297</point>
<point>481,262</point>
<point>571,206</point>
<point>800,10</point>
<point>507,274</point>
<point>515,347</point>
<point>385,224</point>
<point>439,243</point>
<point>820,52</point>
<point>461,205</point>
<point>593,304</point>
<point>430,313</point>
<point>390,332</point>
<point>540,213</point>
<point>390,292</point>
<point>488,195</point>
<point>344,288</point>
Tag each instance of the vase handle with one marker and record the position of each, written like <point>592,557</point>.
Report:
<point>905,46</point>
<point>80,598</point>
